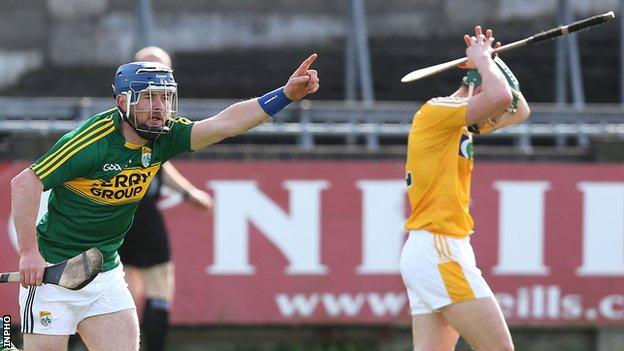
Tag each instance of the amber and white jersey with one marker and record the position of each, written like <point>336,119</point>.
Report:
<point>438,169</point>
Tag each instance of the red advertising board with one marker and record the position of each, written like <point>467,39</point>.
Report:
<point>319,242</point>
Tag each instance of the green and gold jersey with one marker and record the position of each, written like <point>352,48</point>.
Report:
<point>97,179</point>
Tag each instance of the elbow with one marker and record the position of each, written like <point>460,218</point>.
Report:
<point>234,130</point>
<point>229,133</point>
<point>222,135</point>
<point>527,113</point>
<point>524,110</point>
<point>502,99</point>
<point>498,100</point>
<point>228,129</point>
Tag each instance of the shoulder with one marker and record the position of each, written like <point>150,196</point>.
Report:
<point>179,120</point>
<point>443,106</point>
<point>442,113</point>
<point>180,124</point>
<point>77,150</point>
<point>95,127</point>
<point>90,134</point>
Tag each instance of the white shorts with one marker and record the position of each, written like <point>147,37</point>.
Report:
<point>439,270</point>
<point>53,310</point>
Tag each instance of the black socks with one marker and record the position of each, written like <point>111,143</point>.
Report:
<point>155,324</point>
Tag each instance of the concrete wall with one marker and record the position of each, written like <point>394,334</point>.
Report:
<point>101,32</point>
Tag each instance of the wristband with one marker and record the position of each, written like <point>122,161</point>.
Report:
<point>274,101</point>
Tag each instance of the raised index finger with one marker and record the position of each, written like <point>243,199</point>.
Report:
<point>467,40</point>
<point>478,31</point>
<point>306,64</point>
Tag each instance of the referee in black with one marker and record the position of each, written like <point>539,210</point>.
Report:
<point>145,252</point>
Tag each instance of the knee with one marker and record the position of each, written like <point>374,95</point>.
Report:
<point>159,282</point>
<point>503,345</point>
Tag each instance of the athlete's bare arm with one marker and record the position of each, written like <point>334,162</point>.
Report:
<point>506,119</point>
<point>195,197</point>
<point>495,95</point>
<point>230,122</point>
<point>246,115</point>
<point>522,113</point>
<point>26,189</point>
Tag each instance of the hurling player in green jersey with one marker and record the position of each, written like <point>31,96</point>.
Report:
<point>97,174</point>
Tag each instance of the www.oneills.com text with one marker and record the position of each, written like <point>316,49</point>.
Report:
<point>527,303</point>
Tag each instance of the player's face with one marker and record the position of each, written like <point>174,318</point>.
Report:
<point>154,107</point>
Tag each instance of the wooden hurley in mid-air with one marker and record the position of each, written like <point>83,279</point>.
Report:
<point>73,274</point>
<point>537,38</point>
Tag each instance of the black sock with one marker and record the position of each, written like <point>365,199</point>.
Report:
<point>155,324</point>
<point>75,342</point>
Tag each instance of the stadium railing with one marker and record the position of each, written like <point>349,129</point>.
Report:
<point>348,123</point>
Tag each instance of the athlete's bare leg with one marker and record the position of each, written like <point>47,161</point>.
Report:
<point>117,331</point>
<point>431,332</point>
<point>481,323</point>
<point>40,342</point>
<point>158,281</point>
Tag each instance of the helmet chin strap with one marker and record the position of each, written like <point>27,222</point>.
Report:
<point>145,131</point>
<point>149,133</point>
<point>471,87</point>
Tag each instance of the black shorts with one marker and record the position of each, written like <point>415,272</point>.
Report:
<point>146,243</point>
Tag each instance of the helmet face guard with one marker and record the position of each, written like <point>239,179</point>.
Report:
<point>472,79</point>
<point>149,81</point>
<point>169,103</point>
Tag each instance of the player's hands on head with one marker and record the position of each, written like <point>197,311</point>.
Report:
<point>481,42</point>
<point>199,199</point>
<point>31,268</point>
<point>303,82</point>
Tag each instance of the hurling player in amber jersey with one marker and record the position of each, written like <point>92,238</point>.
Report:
<point>448,296</point>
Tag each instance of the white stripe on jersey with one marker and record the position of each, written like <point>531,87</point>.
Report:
<point>449,101</point>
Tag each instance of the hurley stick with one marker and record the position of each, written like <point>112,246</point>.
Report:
<point>537,38</point>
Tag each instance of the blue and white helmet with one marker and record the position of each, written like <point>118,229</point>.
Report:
<point>134,78</point>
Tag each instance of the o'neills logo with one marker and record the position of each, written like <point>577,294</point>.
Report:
<point>127,186</point>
